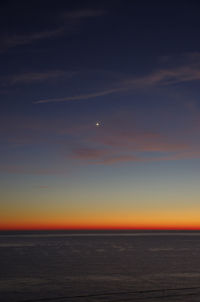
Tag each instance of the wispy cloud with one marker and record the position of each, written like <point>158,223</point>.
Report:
<point>187,72</point>
<point>169,76</point>
<point>113,146</point>
<point>159,78</point>
<point>101,156</point>
<point>30,77</point>
<point>128,138</point>
<point>141,141</point>
<point>125,136</point>
<point>78,97</point>
<point>186,69</point>
<point>109,157</point>
<point>69,20</point>
<point>89,153</point>
<point>12,41</point>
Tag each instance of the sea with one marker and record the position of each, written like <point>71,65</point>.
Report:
<point>81,266</point>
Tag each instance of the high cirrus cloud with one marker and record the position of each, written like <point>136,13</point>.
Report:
<point>14,40</point>
<point>31,77</point>
<point>77,97</point>
<point>188,71</point>
<point>69,20</point>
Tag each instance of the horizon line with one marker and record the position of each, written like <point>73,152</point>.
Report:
<point>100,229</point>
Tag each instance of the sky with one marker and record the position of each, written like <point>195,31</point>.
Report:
<point>99,115</point>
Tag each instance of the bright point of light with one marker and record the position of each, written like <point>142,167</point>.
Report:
<point>97,124</point>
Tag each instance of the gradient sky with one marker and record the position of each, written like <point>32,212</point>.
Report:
<point>131,66</point>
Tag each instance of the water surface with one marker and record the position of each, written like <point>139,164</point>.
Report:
<point>100,266</point>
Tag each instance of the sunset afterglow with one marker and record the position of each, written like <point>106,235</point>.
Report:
<point>100,117</point>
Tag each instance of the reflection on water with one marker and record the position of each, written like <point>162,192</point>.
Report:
<point>100,267</point>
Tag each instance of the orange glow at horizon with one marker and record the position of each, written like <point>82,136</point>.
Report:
<point>84,226</point>
<point>101,217</point>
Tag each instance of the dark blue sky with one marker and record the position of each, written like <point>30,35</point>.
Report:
<point>131,66</point>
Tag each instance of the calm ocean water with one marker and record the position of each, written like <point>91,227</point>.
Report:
<point>96,266</point>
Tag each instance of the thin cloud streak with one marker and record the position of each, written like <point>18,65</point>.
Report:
<point>142,142</point>
<point>105,154</point>
<point>161,77</point>
<point>79,97</point>
<point>109,156</point>
<point>69,18</point>
<point>31,77</point>
<point>168,77</point>
<point>102,156</point>
<point>19,40</point>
